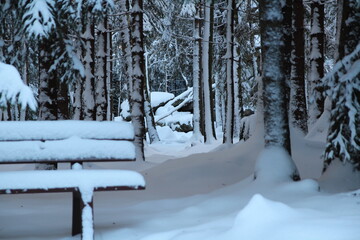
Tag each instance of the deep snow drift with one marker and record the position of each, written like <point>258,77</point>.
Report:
<point>204,192</point>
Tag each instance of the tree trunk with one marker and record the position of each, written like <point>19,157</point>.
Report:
<point>138,77</point>
<point>149,115</point>
<point>316,99</point>
<point>197,136</point>
<point>109,70</point>
<point>125,36</point>
<point>229,119</point>
<point>101,72</point>
<point>298,110</point>
<point>276,124</point>
<point>287,31</point>
<point>206,76</point>
<point>88,98</point>
<point>237,82</point>
<point>47,89</point>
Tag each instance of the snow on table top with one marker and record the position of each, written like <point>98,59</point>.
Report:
<point>66,150</point>
<point>38,130</point>
<point>82,179</point>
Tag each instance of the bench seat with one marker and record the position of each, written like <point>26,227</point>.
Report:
<point>67,181</point>
<point>62,129</point>
<point>73,149</point>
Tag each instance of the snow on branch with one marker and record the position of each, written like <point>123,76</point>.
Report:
<point>13,90</point>
<point>184,98</point>
<point>343,87</point>
<point>39,19</point>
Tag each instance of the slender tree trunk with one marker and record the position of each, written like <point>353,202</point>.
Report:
<point>138,77</point>
<point>125,36</point>
<point>206,76</point>
<point>101,102</point>
<point>150,120</point>
<point>316,99</point>
<point>77,106</point>
<point>237,81</point>
<point>252,40</point>
<point>197,136</point>
<point>47,90</point>
<point>25,73</point>
<point>276,124</point>
<point>109,68</point>
<point>287,31</point>
<point>228,131</point>
<point>63,101</point>
<point>88,96</point>
<point>217,101</point>
<point>298,110</point>
<point>211,61</point>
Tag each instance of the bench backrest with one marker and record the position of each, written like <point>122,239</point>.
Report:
<point>65,141</point>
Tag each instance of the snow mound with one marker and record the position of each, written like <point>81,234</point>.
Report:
<point>274,164</point>
<point>260,210</point>
<point>259,218</point>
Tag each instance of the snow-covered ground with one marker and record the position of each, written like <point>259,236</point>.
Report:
<point>202,192</point>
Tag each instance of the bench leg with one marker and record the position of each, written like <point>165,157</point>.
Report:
<point>87,221</point>
<point>76,214</point>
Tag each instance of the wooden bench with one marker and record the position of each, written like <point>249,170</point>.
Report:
<point>71,142</point>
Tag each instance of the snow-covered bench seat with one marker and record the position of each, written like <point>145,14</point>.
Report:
<point>74,142</point>
<point>65,141</point>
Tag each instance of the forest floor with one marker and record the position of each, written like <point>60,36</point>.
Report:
<point>203,191</point>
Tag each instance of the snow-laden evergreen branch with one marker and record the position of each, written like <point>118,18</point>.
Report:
<point>39,19</point>
<point>344,89</point>
<point>13,90</point>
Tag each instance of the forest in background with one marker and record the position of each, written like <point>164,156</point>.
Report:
<point>79,57</point>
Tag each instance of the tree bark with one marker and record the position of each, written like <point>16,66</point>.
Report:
<point>138,77</point>
<point>276,124</point>
<point>101,72</point>
<point>206,76</point>
<point>88,53</point>
<point>298,111</point>
<point>316,99</point>
<point>197,136</point>
<point>274,82</point>
<point>229,119</point>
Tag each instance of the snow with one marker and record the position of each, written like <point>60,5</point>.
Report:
<point>160,97</point>
<point>204,192</point>
<point>57,130</point>
<point>274,164</point>
<point>39,18</point>
<point>85,180</point>
<point>13,90</point>
<point>87,222</point>
<point>73,148</point>
<point>188,9</point>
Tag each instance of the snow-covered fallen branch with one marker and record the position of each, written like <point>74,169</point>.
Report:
<point>185,97</point>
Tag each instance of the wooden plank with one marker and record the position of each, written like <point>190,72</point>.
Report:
<point>63,129</point>
<point>59,190</point>
<point>59,139</point>
<point>69,150</point>
<point>75,160</point>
